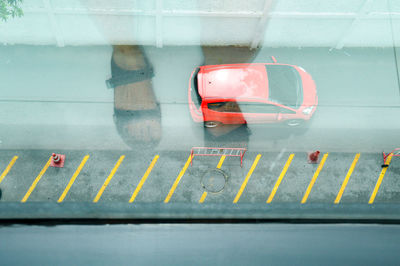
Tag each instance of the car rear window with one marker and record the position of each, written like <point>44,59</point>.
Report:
<point>225,107</point>
<point>284,85</point>
<point>196,98</point>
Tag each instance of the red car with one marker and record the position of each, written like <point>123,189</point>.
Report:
<point>251,93</point>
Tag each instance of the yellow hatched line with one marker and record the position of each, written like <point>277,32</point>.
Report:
<point>146,174</point>
<point>278,182</point>
<point>203,197</point>
<point>8,168</point>
<point>171,192</point>
<point>346,180</point>
<point>321,164</point>
<point>103,187</point>
<point>72,180</point>
<point>378,183</point>
<point>221,161</point>
<point>28,193</point>
<point>247,179</point>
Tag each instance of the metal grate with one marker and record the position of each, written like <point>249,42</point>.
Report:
<point>213,151</point>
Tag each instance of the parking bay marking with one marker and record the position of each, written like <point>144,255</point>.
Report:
<point>346,180</point>
<point>246,180</point>
<point>378,183</point>
<point>103,187</point>
<point>146,174</point>
<point>72,180</point>
<point>8,168</point>
<point>32,187</point>
<point>221,161</point>
<point>314,178</point>
<point>278,182</point>
<point>171,192</point>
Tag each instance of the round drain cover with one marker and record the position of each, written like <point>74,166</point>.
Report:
<point>214,180</point>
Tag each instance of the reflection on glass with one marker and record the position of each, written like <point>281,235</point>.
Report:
<point>136,112</point>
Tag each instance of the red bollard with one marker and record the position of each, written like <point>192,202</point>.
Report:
<point>313,157</point>
<point>57,160</point>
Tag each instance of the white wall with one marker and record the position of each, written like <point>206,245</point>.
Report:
<point>331,23</point>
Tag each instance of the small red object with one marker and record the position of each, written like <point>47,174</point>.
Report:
<point>57,160</point>
<point>313,157</point>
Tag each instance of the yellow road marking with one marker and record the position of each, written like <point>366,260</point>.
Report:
<point>203,197</point>
<point>321,164</point>
<point>378,183</point>
<point>8,168</point>
<point>25,198</point>
<point>247,179</point>
<point>103,187</point>
<point>74,176</point>
<point>171,192</point>
<point>221,161</point>
<point>146,174</point>
<point>278,182</point>
<point>346,180</point>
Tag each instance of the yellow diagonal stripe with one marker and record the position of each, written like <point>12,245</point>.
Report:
<point>203,197</point>
<point>146,174</point>
<point>103,187</point>
<point>278,182</point>
<point>378,183</point>
<point>247,179</point>
<point>321,164</point>
<point>72,180</point>
<point>221,161</point>
<point>346,180</point>
<point>32,187</point>
<point>171,192</point>
<point>8,168</point>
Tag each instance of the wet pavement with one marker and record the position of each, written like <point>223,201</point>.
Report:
<point>70,111</point>
<point>112,176</point>
<point>71,108</point>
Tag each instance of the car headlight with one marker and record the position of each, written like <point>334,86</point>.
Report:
<point>308,110</point>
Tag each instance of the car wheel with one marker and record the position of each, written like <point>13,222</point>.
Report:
<point>211,124</point>
<point>294,122</point>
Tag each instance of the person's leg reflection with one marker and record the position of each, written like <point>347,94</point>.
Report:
<point>137,114</point>
<point>238,134</point>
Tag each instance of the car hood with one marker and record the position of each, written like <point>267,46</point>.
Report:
<point>309,89</point>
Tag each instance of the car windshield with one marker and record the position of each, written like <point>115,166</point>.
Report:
<point>284,85</point>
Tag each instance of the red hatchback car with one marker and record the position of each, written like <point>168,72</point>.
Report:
<point>251,93</point>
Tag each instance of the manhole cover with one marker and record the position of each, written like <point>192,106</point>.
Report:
<point>214,180</point>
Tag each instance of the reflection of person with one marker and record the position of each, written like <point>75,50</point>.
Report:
<point>137,114</point>
<point>236,135</point>
<point>136,111</point>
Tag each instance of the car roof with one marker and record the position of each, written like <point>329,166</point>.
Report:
<point>234,81</point>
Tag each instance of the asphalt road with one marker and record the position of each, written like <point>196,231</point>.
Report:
<point>56,99</point>
<point>167,177</point>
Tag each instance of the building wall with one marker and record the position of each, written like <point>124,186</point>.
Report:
<point>330,23</point>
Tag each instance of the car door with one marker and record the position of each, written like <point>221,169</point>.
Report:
<point>255,112</point>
